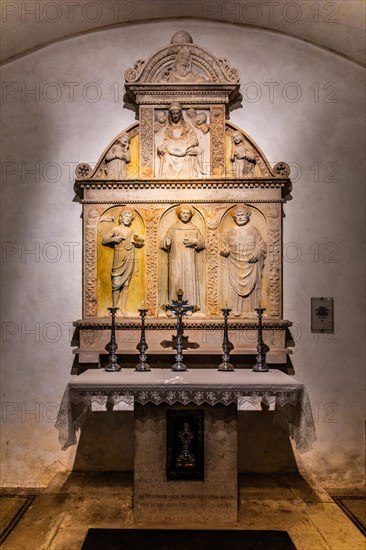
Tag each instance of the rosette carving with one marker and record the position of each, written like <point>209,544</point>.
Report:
<point>281,169</point>
<point>131,75</point>
<point>83,171</point>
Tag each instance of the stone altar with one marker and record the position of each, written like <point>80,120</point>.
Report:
<point>220,394</point>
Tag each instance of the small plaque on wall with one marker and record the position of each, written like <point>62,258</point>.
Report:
<point>185,436</point>
<point>322,315</point>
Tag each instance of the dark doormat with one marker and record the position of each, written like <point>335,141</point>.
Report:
<point>157,539</point>
<point>355,508</point>
<point>12,508</point>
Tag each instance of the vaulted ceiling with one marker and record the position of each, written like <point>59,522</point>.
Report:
<point>338,26</point>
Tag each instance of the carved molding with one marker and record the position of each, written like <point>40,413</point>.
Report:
<point>105,324</point>
<point>257,183</point>
<point>178,201</point>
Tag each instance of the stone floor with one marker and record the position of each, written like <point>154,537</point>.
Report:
<point>61,515</point>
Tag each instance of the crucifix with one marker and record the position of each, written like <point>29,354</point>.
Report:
<point>179,308</point>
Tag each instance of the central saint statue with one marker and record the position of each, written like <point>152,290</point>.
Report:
<point>182,241</point>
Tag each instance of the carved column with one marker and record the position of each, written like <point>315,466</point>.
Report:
<point>218,141</point>
<point>90,263</point>
<point>152,261</point>
<point>274,258</point>
<point>146,142</point>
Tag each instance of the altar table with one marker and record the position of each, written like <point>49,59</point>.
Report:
<point>198,386</point>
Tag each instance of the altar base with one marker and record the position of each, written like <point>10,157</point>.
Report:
<point>157,499</point>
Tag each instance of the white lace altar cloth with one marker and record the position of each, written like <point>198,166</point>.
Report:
<point>244,387</point>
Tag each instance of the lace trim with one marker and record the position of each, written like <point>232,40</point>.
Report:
<point>293,402</point>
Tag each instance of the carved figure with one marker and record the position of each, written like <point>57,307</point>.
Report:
<point>182,69</point>
<point>161,120</point>
<point>245,251</point>
<point>124,241</point>
<point>117,157</point>
<point>182,241</point>
<point>179,153</point>
<point>242,157</point>
<point>199,120</point>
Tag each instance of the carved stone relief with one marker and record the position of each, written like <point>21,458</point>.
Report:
<point>182,242</point>
<point>182,63</point>
<point>244,251</point>
<point>182,199</point>
<point>121,265</point>
<point>181,147</point>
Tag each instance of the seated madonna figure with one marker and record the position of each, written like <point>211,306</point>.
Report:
<point>245,251</point>
<point>180,156</point>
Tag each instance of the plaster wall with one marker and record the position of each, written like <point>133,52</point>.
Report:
<point>300,104</point>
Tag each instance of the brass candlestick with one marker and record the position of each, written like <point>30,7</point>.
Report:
<point>113,366</point>
<point>142,346</point>
<point>227,346</point>
<point>261,365</point>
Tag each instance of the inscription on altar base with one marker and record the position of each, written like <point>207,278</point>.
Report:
<point>157,499</point>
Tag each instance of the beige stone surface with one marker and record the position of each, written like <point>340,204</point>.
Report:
<point>60,517</point>
<point>158,499</point>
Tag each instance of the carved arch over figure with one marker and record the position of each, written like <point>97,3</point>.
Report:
<point>202,64</point>
<point>121,259</point>
<point>182,243</point>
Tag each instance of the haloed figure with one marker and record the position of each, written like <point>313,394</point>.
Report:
<point>124,241</point>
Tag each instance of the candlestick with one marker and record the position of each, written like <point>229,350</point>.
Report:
<point>227,346</point>
<point>113,366</point>
<point>142,345</point>
<point>260,365</point>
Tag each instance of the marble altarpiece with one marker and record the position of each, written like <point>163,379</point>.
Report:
<point>182,198</point>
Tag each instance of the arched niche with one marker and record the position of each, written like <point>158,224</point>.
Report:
<point>187,263</point>
<point>108,222</point>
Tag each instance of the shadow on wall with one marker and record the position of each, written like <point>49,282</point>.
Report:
<point>106,442</point>
<point>263,445</point>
